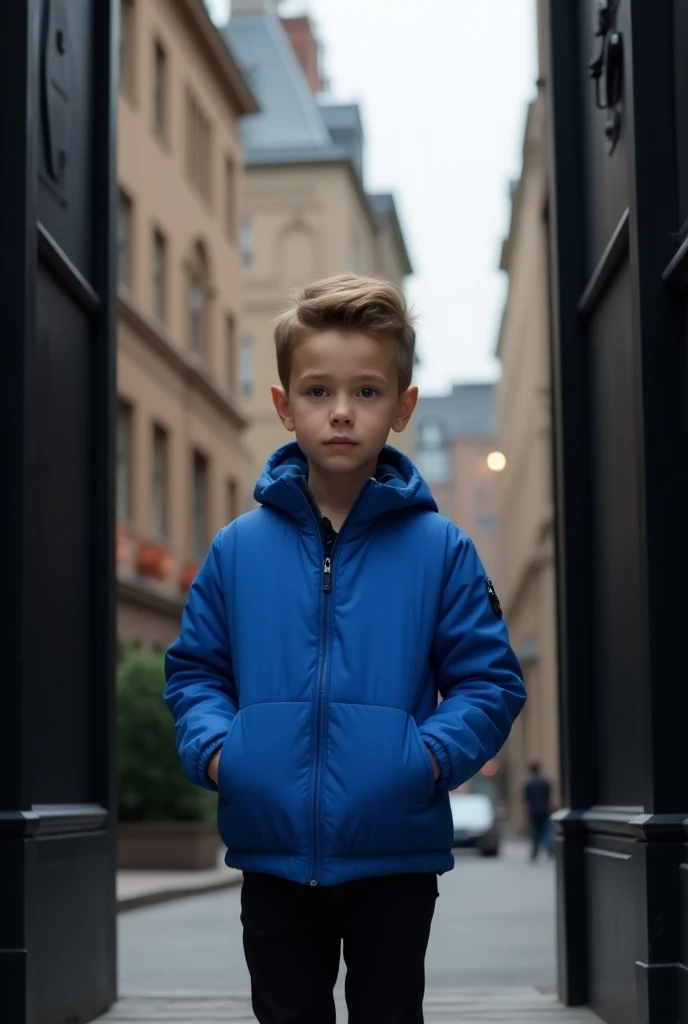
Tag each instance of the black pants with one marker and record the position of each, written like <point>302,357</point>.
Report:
<point>293,937</point>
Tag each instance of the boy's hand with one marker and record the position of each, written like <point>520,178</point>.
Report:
<point>435,764</point>
<point>213,766</point>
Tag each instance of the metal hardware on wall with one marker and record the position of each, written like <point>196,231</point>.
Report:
<point>55,91</point>
<point>609,64</point>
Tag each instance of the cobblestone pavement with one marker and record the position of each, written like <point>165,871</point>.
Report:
<point>465,1006</point>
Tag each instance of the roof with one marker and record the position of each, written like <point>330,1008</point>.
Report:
<point>293,127</point>
<point>223,62</point>
<point>384,208</point>
<point>343,121</point>
<point>342,116</point>
<point>469,411</point>
<point>290,117</point>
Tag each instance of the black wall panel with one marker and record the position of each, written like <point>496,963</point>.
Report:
<point>619,273</point>
<point>57,399</point>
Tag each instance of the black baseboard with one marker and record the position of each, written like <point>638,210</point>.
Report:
<point>622,915</point>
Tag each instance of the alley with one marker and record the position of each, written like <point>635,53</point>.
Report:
<point>491,956</point>
<point>494,926</point>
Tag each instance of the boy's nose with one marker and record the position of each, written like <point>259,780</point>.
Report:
<point>341,412</point>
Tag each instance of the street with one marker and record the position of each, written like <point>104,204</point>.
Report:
<point>494,926</point>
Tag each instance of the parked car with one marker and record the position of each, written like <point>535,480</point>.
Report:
<point>476,823</point>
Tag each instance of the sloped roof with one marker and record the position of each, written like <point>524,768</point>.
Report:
<point>343,121</point>
<point>384,208</point>
<point>289,117</point>
<point>293,126</point>
<point>469,411</point>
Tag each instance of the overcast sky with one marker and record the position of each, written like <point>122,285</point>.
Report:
<point>444,86</point>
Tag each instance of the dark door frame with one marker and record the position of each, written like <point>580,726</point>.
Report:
<point>640,846</point>
<point>38,840</point>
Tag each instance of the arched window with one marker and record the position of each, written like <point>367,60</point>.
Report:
<point>197,301</point>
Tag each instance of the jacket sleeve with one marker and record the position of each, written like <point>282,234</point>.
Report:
<point>200,690</point>
<point>476,670</point>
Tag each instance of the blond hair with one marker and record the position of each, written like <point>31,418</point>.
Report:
<point>349,302</point>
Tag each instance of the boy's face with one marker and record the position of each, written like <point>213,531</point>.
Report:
<point>343,400</point>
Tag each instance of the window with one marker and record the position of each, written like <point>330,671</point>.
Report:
<point>159,275</point>
<point>196,307</point>
<point>230,198</point>
<point>197,302</point>
<point>160,91</point>
<point>199,512</point>
<point>431,436</point>
<point>246,243</point>
<point>125,417</point>
<point>230,354</point>
<point>435,467</point>
<point>198,148</point>
<point>160,482</point>
<point>487,524</point>
<point>434,458</point>
<point>232,501</point>
<point>126,46</point>
<point>124,219</point>
<point>246,370</point>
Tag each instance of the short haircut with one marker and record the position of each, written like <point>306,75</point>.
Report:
<point>349,302</point>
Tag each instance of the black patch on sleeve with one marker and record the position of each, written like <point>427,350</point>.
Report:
<point>494,600</point>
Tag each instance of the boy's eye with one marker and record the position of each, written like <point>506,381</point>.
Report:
<point>368,392</point>
<point>318,392</point>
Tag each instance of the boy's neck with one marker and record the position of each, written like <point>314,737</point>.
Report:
<point>335,493</point>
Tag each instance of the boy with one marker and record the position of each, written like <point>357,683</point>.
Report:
<point>316,639</point>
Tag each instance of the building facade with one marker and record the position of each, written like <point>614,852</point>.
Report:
<point>181,460</point>
<point>308,214</point>
<point>455,436</point>
<point>457,450</point>
<point>528,591</point>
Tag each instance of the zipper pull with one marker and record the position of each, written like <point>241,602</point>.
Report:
<point>327,575</point>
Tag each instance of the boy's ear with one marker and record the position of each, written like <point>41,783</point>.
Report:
<point>407,403</point>
<point>281,403</point>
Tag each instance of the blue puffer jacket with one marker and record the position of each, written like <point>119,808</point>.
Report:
<point>320,680</point>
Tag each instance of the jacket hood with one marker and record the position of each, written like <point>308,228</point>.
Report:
<point>397,485</point>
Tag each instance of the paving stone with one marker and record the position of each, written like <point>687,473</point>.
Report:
<point>465,1006</point>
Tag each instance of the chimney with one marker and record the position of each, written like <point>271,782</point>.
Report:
<point>307,49</point>
<point>255,7</point>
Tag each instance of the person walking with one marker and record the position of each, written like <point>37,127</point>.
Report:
<point>537,795</point>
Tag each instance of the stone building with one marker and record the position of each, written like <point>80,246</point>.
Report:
<point>528,591</point>
<point>181,460</point>
<point>308,214</point>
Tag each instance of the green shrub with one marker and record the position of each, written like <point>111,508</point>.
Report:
<point>150,782</point>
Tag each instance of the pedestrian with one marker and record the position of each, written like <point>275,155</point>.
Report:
<point>537,795</point>
<point>316,640</point>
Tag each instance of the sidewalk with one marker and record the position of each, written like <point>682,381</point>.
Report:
<point>144,888</point>
<point>443,1006</point>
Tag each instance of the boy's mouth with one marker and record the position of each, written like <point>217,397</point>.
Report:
<point>340,442</point>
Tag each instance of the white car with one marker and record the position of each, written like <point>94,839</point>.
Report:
<point>475,823</point>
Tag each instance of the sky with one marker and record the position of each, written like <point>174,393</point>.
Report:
<point>444,87</point>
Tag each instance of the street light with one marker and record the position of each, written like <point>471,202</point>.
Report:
<point>496,461</point>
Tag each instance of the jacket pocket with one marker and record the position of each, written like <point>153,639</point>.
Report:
<point>263,779</point>
<point>380,791</point>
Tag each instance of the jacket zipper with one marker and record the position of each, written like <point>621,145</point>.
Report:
<point>319,759</point>
<point>327,580</point>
